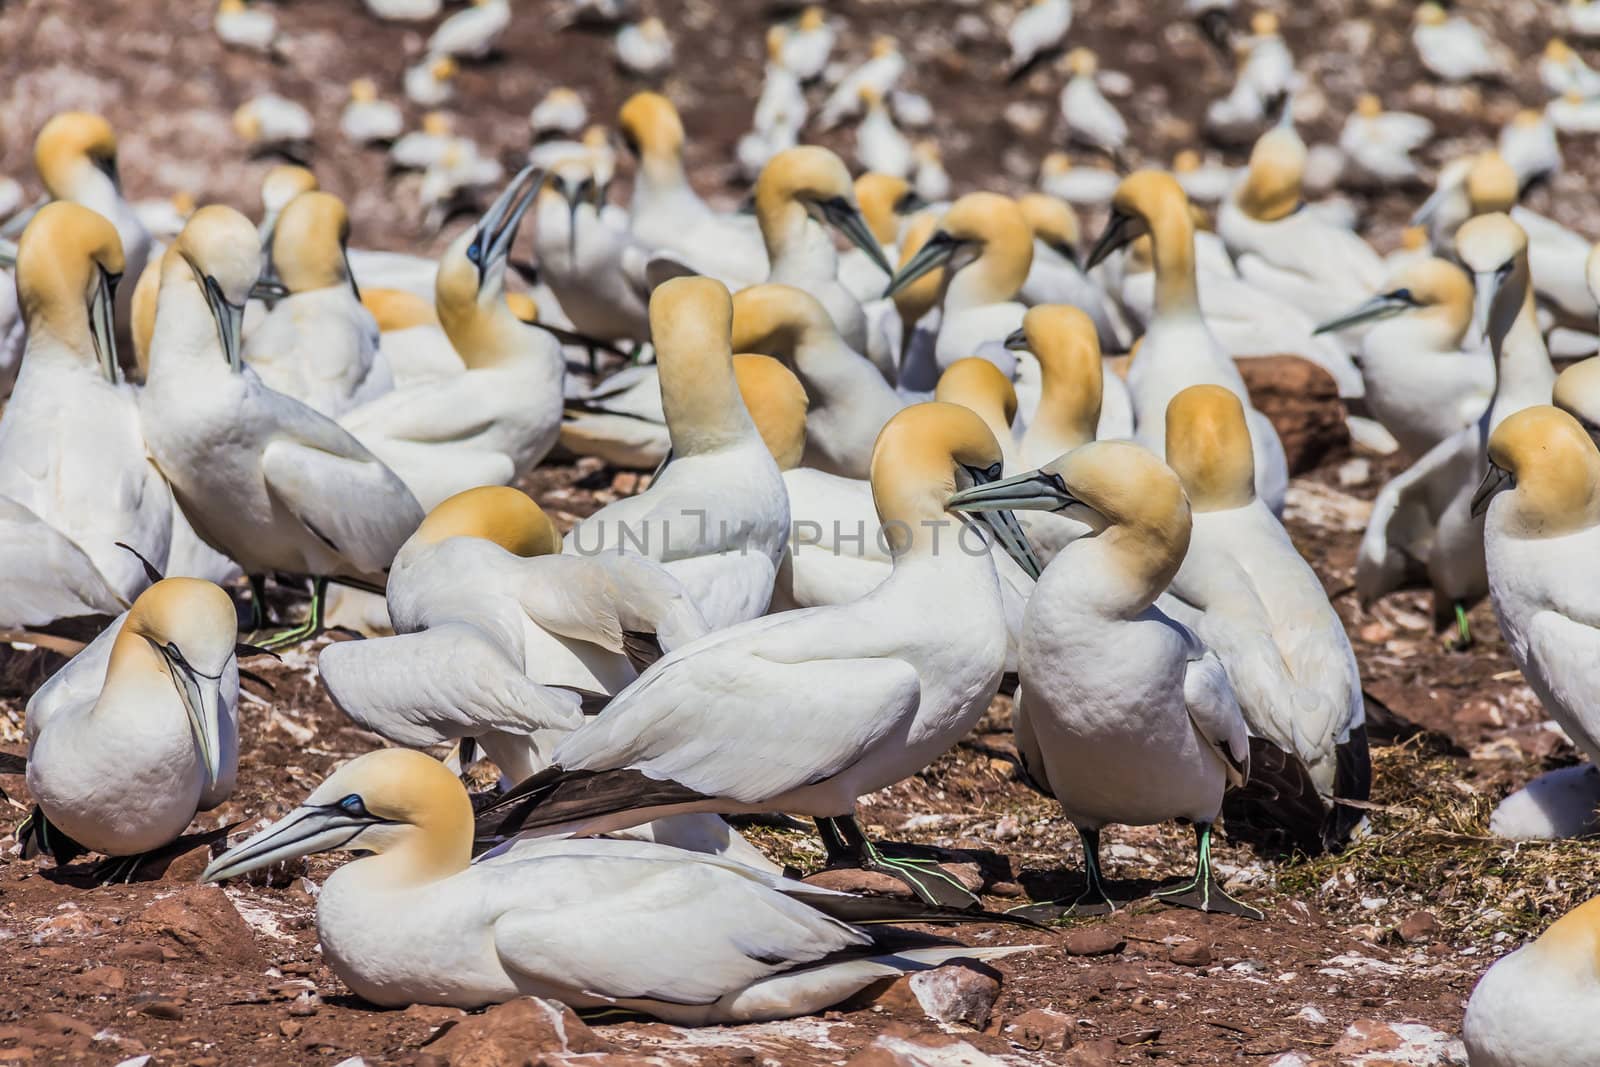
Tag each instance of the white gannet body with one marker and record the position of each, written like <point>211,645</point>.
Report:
<point>45,575</point>
<point>318,344</point>
<point>808,44</point>
<point>1091,185</point>
<point>1451,48</point>
<point>881,72</point>
<point>619,420</point>
<point>1125,717</point>
<point>410,339</point>
<point>1528,142</point>
<point>1563,71</point>
<point>880,146</point>
<point>249,28</point>
<point>581,252</point>
<point>472,33</point>
<point>367,119</point>
<point>644,48</point>
<point>496,419</point>
<point>782,104</point>
<point>405,10</point>
<point>1260,607</point>
<point>1040,27</point>
<point>431,82</point>
<point>1530,1009</point>
<point>930,180</point>
<point>423,148</point>
<point>1203,182</point>
<point>418,922</point>
<point>716,516</point>
<point>1091,118</point>
<point>71,447</point>
<point>139,731</point>
<point>1583,18</point>
<point>560,111</point>
<point>1380,142</point>
<point>269,121</point>
<point>1575,114</point>
<point>1265,80</point>
<point>1178,349</point>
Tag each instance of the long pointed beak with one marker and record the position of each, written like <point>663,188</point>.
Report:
<point>268,290</point>
<point>202,700</point>
<point>1484,288</point>
<point>1379,307</point>
<point>101,327</point>
<point>1008,531</point>
<point>8,253</point>
<point>846,218</point>
<point>1430,207</point>
<point>498,227</point>
<point>305,830</point>
<point>19,222</point>
<point>1117,234</point>
<point>1034,491</point>
<point>1017,341</point>
<point>1494,480</point>
<point>931,256</point>
<point>230,324</point>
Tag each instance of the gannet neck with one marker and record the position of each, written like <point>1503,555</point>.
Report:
<point>691,322</point>
<point>1491,184</point>
<point>497,513</point>
<point>979,385</point>
<point>1208,446</point>
<point>777,404</point>
<point>1172,251</point>
<point>880,196</point>
<point>134,669</point>
<point>1072,378</point>
<point>185,334</point>
<point>308,244</point>
<point>76,157</point>
<point>798,245</point>
<point>475,316</point>
<point>1271,190</point>
<point>913,476</point>
<point>1522,362</point>
<point>995,226</point>
<point>64,257</point>
<point>1572,943</point>
<point>651,126</point>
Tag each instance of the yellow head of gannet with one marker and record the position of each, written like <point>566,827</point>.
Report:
<point>1414,238</point>
<point>363,91</point>
<point>1431,14</point>
<point>1072,379</point>
<point>218,251</point>
<point>1052,221</point>
<point>1082,62</point>
<point>916,298</point>
<point>1271,190</point>
<point>691,323</point>
<point>1208,447</point>
<point>1552,469</point>
<point>810,181</point>
<point>777,404</point>
<point>282,184</point>
<point>925,457</point>
<point>1433,287</point>
<point>496,513</point>
<point>653,132</point>
<point>884,198</point>
<point>775,319</point>
<point>1557,50</point>
<point>984,234</point>
<point>1152,202</point>
<point>1491,184</point>
<point>71,145</point>
<point>308,246</point>
<point>884,45</point>
<point>438,124</point>
<point>978,384</point>
<point>812,18</point>
<point>142,311</point>
<point>396,309</point>
<point>1494,249</point>
<point>469,291</point>
<point>69,260</point>
<point>1263,24</point>
<point>1368,106</point>
<point>394,802</point>
<point>524,307</point>
<point>1577,392</point>
<point>444,68</point>
<point>776,35</point>
<point>185,628</point>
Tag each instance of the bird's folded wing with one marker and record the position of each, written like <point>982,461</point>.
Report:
<point>677,931</point>
<point>438,412</point>
<point>601,599</point>
<point>437,685</point>
<point>1215,713</point>
<point>1568,653</point>
<point>76,684</point>
<point>344,495</point>
<point>44,575</point>
<point>727,720</point>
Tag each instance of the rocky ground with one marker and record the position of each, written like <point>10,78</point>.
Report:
<point>1364,958</point>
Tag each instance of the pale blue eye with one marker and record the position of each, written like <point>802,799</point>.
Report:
<point>353,805</point>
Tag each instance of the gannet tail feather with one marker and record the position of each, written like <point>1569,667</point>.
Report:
<point>556,796</point>
<point>39,836</point>
<point>1278,810</point>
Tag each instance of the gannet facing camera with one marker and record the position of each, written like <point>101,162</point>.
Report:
<point>471,34</point>
<point>867,692</point>
<point>418,922</point>
<point>1530,1009</point>
<point>644,48</point>
<point>560,111</point>
<point>1091,118</point>
<point>120,765</point>
<point>71,447</point>
<point>245,27</point>
<point>262,478</point>
<point>431,82</point>
<point>368,120</point>
<point>1123,714</point>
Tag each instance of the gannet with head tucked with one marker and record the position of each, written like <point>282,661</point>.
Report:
<point>1178,349</point>
<point>1248,594</point>
<point>263,478</point>
<point>1056,275</point>
<point>1125,716</point>
<point>1091,118</point>
<point>1531,1008</point>
<point>138,733</point>
<point>854,697</point>
<point>417,922</point>
<point>318,344</point>
<point>471,33</point>
<point>497,418</point>
<point>882,70</point>
<point>72,451</point>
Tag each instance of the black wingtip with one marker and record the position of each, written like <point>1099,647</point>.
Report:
<point>1278,811</point>
<point>557,796</point>
<point>150,571</point>
<point>39,836</point>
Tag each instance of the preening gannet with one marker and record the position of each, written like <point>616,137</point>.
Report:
<point>1261,609</point>
<point>1178,350</point>
<point>596,924</point>
<point>318,344</point>
<point>71,448</point>
<point>1124,716</point>
<point>855,697</point>
<point>262,478</point>
<point>138,733</point>
<point>1531,1008</point>
<point>499,416</point>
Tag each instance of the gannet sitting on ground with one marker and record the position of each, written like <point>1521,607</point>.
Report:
<point>1090,185</point>
<point>471,33</point>
<point>318,344</point>
<point>1256,604</point>
<point>1056,274</point>
<point>1124,716</point>
<point>561,111</point>
<point>422,148</point>
<point>263,478</point>
<point>71,449</point>
<point>1451,48</point>
<point>1379,143</point>
<point>808,44</point>
<point>366,119</point>
<point>268,122</point>
<point>1530,1008</point>
<point>1204,181</point>
<point>139,732</point>
<point>1528,142</point>
<point>1541,535</point>
<point>418,922</point>
<point>1178,350</point>
<point>1421,383</point>
<point>1036,30</point>
<point>1423,516</point>
<point>431,82</point>
<point>644,48</point>
<point>880,72</point>
<point>716,516</point>
<point>1563,71</point>
<point>502,414</point>
<point>250,28</point>
<point>880,146</point>
<point>1574,113</point>
<point>1091,118</point>
<point>855,697</point>
<point>1266,78</point>
<point>405,10</point>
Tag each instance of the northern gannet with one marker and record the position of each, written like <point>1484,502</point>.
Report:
<point>279,187</point>
<point>502,413</point>
<point>1091,118</point>
<point>45,575</point>
<point>1178,349</point>
<point>431,82</point>
<point>716,515</point>
<point>405,10</point>
<point>471,33</point>
<point>1563,71</point>
<point>982,388</point>
<point>1380,142</point>
<point>880,146</point>
<point>318,344</point>
<point>782,103</point>
<point>1056,275</point>
<point>1265,80</point>
<point>138,732</point>
<point>1422,382</point>
<point>886,203</point>
<point>418,922</point>
<point>1089,185</point>
<point>1528,142</point>
<point>1574,113</point>
<point>560,111</point>
<point>449,181</point>
<point>1583,18</point>
<point>881,72</point>
<point>1036,29</point>
<point>930,179</point>
<point>270,122</point>
<point>866,692</point>
<point>1203,182</point>
<point>262,478</point>
<point>916,305</point>
<point>1451,48</point>
<point>1124,715</point>
<point>71,448</point>
<point>1248,594</point>
<point>644,48</point>
<point>368,120</point>
<point>251,28</point>
<point>1528,1009</point>
<point>582,250</point>
<point>1577,392</point>
<point>422,148</point>
<point>808,44</point>
<point>1079,401</point>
